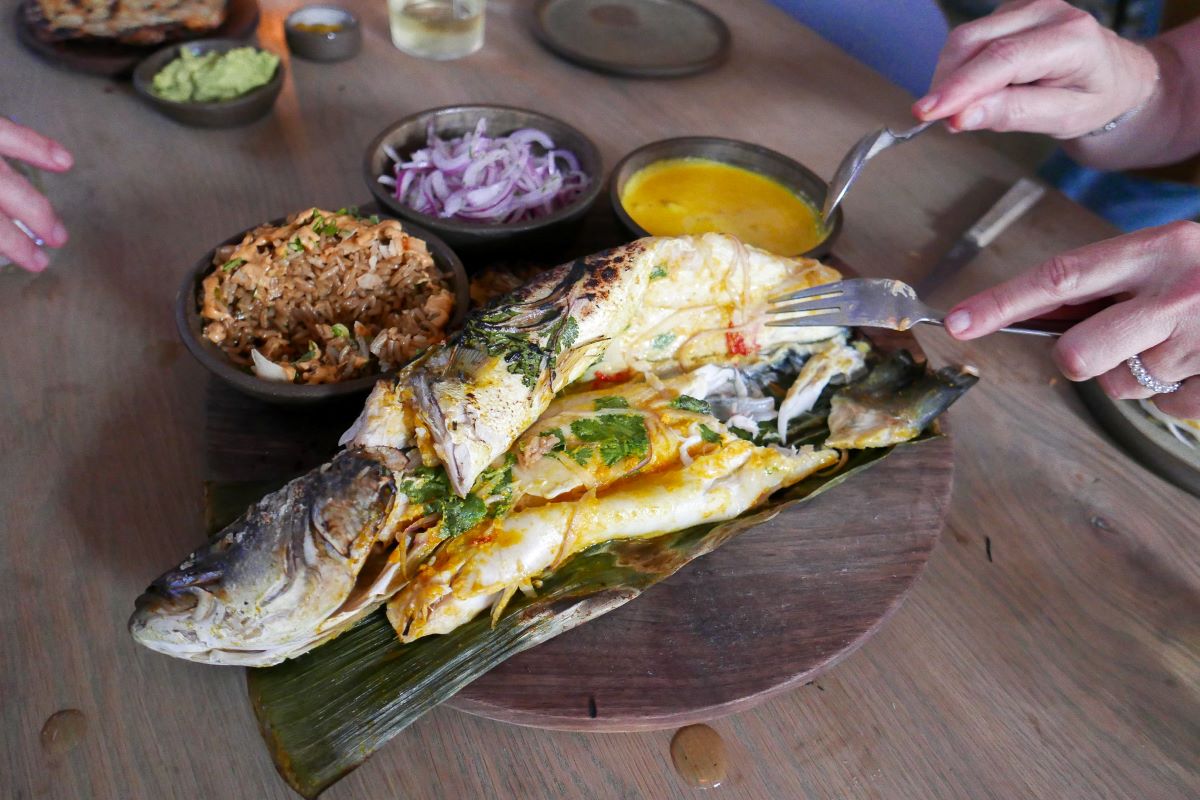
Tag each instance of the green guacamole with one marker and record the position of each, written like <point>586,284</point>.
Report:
<point>214,76</point>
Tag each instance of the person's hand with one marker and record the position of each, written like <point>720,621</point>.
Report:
<point>1041,66</point>
<point>1154,275</point>
<point>19,200</point>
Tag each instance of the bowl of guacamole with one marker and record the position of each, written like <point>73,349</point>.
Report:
<point>211,83</point>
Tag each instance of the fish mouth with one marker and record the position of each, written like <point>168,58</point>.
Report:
<point>165,624</point>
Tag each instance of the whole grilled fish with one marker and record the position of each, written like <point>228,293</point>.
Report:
<point>435,455</point>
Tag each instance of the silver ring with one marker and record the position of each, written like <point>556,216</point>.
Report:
<point>1143,376</point>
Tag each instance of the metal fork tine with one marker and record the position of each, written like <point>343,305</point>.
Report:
<point>831,289</point>
<point>832,319</point>
<point>811,307</point>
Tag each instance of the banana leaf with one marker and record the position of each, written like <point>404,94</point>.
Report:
<point>326,712</point>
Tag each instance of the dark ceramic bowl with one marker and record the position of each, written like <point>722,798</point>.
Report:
<point>329,46</point>
<point>776,166</point>
<point>190,324</point>
<point>410,134</point>
<point>219,114</point>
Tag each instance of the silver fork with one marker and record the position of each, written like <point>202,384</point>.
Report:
<point>875,303</point>
<point>867,148</point>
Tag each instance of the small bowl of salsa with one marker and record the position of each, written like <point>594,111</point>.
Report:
<point>706,184</point>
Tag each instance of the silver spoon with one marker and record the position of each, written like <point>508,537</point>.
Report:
<point>867,148</point>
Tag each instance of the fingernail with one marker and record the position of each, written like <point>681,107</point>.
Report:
<point>971,119</point>
<point>40,260</point>
<point>61,157</point>
<point>958,321</point>
<point>926,103</point>
<point>58,234</point>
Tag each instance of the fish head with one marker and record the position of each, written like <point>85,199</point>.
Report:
<point>270,585</point>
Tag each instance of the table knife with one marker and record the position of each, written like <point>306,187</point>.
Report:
<point>1015,202</point>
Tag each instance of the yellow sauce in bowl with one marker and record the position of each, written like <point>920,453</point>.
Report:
<point>697,195</point>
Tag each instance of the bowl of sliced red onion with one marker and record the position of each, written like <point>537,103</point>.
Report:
<point>486,176</point>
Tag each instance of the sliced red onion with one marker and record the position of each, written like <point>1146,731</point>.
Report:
<point>473,177</point>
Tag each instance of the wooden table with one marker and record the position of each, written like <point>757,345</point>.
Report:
<point>1052,649</point>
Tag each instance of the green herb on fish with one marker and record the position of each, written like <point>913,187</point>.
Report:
<point>658,272</point>
<point>566,335</point>
<point>495,485</point>
<point>429,487</point>
<point>709,435</point>
<point>618,436</point>
<point>662,340</point>
<point>616,401</point>
<point>582,455</point>
<point>524,354</point>
<point>685,402</point>
<point>742,433</point>
<point>460,514</point>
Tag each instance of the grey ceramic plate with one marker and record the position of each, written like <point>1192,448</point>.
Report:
<point>190,325</point>
<point>1144,438</point>
<point>636,38</point>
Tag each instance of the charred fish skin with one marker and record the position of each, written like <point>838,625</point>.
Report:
<point>894,402</point>
<point>261,590</point>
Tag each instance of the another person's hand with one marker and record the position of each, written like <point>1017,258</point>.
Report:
<point>20,201</point>
<point>1155,277</point>
<point>1041,66</point>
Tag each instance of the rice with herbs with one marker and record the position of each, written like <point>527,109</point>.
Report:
<point>325,297</point>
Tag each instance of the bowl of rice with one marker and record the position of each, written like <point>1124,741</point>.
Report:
<point>320,304</point>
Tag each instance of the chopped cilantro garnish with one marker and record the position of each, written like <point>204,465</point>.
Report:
<point>460,514</point>
<point>741,433</point>
<point>527,355</point>
<point>232,264</point>
<point>709,435</point>
<point>581,455</point>
<point>614,401</point>
<point>322,226</point>
<point>618,436</point>
<point>495,485</point>
<point>686,402</point>
<point>566,335</point>
<point>658,272</point>
<point>662,340</point>
<point>296,246</point>
<point>341,331</point>
<point>373,219</point>
<point>428,486</point>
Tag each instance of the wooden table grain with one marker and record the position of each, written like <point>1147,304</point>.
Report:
<point>1051,650</point>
